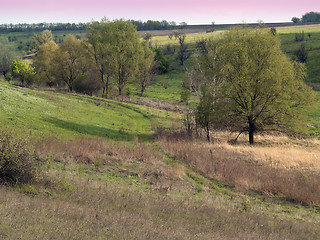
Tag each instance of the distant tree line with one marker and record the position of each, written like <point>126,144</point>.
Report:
<point>156,25</point>
<point>25,27</point>
<point>141,26</point>
<point>307,18</point>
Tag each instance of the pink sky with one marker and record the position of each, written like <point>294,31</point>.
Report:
<point>190,11</point>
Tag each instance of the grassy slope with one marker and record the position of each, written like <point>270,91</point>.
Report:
<point>68,115</point>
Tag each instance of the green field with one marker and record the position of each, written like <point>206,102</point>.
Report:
<point>70,115</point>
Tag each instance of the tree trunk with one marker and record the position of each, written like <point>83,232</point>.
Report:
<point>107,86</point>
<point>143,88</point>
<point>120,90</point>
<point>208,132</point>
<point>251,130</point>
<point>102,80</point>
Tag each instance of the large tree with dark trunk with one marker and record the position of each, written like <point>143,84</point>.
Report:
<point>254,85</point>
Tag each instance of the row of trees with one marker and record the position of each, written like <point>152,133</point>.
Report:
<point>141,26</point>
<point>312,17</point>
<point>25,27</point>
<point>112,52</point>
<point>249,84</point>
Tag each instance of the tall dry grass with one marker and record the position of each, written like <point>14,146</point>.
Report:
<point>95,210</point>
<point>277,166</point>
<point>106,153</point>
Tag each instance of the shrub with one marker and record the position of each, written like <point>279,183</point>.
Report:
<point>8,77</point>
<point>18,161</point>
<point>185,95</point>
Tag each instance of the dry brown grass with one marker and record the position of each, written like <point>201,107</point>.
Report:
<point>95,210</point>
<point>105,153</point>
<point>277,165</point>
<point>79,206</point>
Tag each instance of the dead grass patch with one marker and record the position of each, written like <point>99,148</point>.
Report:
<point>95,210</point>
<point>278,169</point>
<point>105,153</point>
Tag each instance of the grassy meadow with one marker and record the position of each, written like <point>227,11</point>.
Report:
<point>127,169</point>
<point>113,172</point>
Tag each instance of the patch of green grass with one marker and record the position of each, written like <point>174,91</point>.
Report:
<point>198,180</point>
<point>299,28</point>
<point>69,115</point>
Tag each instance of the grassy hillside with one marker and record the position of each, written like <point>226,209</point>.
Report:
<point>106,178</point>
<point>71,115</point>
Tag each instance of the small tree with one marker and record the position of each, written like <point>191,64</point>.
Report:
<point>100,49</point>
<point>273,31</point>
<point>39,39</point>
<point>205,110</point>
<point>147,36</point>
<point>70,61</point>
<point>23,70</point>
<point>183,54</point>
<point>295,20</point>
<point>301,54</point>
<point>43,62</point>
<point>6,57</point>
<point>162,65</point>
<point>146,62</point>
<point>125,49</point>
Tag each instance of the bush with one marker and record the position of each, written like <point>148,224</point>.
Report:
<point>87,84</point>
<point>18,161</point>
<point>8,77</point>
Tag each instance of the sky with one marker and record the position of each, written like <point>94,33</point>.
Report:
<point>189,11</point>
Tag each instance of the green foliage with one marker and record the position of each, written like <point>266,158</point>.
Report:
<point>43,62</point>
<point>8,77</point>
<point>161,59</point>
<point>185,95</point>
<point>6,57</point>
<point>23,70</point>
<point>273,31</point>
<point>116,48</point>
<point>205,109</point>
<point>147,67</point>
<point>254,85</point>
<point>311,17</point>
<point>183,55</point>
<point>87,84</point>
<point>147,36</point>
<point>70,61</point>
<point>39,39</point>
<point>301,54</point>
<point>18,161</point>
<point>295,20</point>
